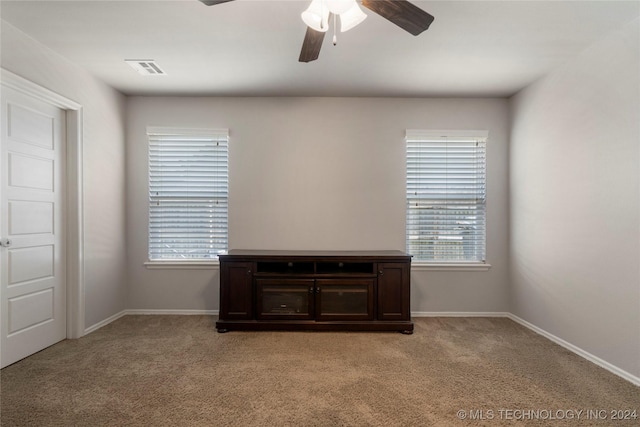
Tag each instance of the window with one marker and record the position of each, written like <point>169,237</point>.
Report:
<point>446,189</point>
<point>188,194</point>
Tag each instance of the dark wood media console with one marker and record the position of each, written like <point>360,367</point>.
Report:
<point>308,290</point>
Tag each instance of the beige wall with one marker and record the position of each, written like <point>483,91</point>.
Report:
<point>318,173</point>
<point>575,201</point>
<point>104,189</point>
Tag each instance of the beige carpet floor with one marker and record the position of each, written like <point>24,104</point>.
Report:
<point>178,371</point>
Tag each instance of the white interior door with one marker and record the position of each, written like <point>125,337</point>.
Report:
<point>32,252</point>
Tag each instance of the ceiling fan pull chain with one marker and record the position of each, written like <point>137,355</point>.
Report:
<point>335,39</point>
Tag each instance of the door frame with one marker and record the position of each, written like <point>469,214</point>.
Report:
<point>74,194</point>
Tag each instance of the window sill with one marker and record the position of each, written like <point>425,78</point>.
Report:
<point>182,265</point>
<point>432,266</point>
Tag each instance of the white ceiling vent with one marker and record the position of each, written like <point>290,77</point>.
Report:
<point>146,67</point>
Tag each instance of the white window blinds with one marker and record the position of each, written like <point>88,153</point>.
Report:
<point>446,195</point>
<point>188,193</point>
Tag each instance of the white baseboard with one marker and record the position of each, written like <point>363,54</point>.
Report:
<point>577,350</point>
<point>460,314</point>
<point>116,316</point>
<point>105,322</point>
<point>174,312</point>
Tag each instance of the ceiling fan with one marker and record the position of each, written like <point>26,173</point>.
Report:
<point>402,13</point>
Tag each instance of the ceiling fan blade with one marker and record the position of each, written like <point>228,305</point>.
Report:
<point>311,45</point>
<point>402,13</point>
<point>213,2</point>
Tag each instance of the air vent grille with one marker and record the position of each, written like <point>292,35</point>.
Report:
<point>146,67</point>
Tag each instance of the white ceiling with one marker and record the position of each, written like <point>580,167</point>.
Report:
<point>251,47</point>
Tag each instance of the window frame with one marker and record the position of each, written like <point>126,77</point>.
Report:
<point>434,135</point>
<point>187,263</point>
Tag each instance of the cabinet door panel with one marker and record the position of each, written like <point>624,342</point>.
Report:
<point>285,299</point>
<point>344,299</point>
<point>393,291</point>
<point>235,291</point>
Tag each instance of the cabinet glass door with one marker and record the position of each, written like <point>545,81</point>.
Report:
<point>285,299</point>
<point>344,299</point>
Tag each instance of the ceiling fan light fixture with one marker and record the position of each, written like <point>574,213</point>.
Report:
<point>317,16</point>
<point>351,18</point>
<point>402,13</point>
<point>338,7</point>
